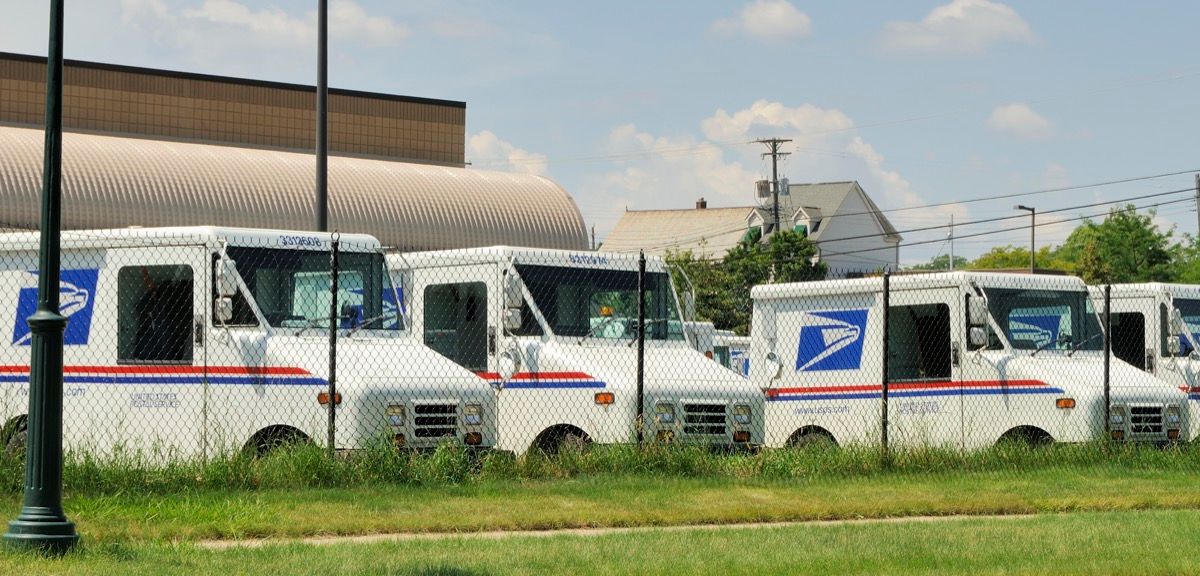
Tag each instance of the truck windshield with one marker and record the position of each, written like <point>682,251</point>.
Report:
<point>292,288</point>
<point>598,303</point>
<point>1034,319</point>
<point>1190,310</point>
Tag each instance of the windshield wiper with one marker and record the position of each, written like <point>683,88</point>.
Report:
<point>1077,346</point>
<point>592,331</point>
<point>371,320</point>
<point>1047,345</point>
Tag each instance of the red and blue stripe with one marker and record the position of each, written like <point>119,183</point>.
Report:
<point>544,380</point>
<point>175,375</point>
<point>912,390</point>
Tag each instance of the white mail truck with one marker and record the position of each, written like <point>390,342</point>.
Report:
<point>972,358</point>
<point>724,346</point>
<point>1156,327</point>
<point>190,342</point>
<point>555,333</point>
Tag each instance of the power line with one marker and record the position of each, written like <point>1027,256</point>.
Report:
<point>680,240</point>
<point>1015,228</point>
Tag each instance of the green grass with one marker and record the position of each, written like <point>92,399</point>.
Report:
<point>308,467</point>
<point>1148,542</point>
<point>612,500</point>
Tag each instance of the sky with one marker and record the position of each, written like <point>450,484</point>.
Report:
<point>932,106</point>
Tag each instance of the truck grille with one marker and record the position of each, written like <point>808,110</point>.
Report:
<point>704,419</point>
<point>435,420</point>
<point>1146,421</point>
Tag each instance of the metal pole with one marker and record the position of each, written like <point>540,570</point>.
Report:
<point>1032,225</point>
<point>1032,244</point>
<point>952,242</point>
<point>42,524</point>
<point>1107,357</point>
<point>887,291</point>
<point>333,327</point>
<point>1198,205</point>
<point>322,116</point>
<point>641,342</point>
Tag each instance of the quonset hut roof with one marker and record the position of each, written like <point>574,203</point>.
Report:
<point>112,182</point>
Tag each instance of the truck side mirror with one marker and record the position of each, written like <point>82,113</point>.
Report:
<point>1174,346</point>
<point>978,337</point>
<point>1176,327</point>
<point>513,297</point>
<point>223,309</point>
<point>512,319</point>
<point>226,277</point>
<point>764,319</point>
<point>977,311</point>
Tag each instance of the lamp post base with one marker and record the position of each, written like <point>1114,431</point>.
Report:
<point>42,530</point>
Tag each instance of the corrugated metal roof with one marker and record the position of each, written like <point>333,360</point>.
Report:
<point>708,232</point>
<point>111,182</point>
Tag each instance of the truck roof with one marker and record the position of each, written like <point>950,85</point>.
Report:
<point>185,235</point>
<point>918,282</point>
<point>519,255</point>
<point>1150,289</point>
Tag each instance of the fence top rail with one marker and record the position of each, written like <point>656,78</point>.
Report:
<point>918,282</point>
<point>194,235</point>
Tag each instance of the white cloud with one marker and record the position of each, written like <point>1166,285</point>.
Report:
<point>767,19</point>
<point>1055,176</point>
<point>487,150</point>
<point>962,26</point>
<point>674,171</point>
<point>1021,121</point>
<point>272,24</point>
<point>349,21</point>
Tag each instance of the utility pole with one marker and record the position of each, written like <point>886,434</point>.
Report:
<point>773,145</point>
<point>951,236</point>
<point>322,116</point>
<point>593,237</point>
<point>1198,205</point>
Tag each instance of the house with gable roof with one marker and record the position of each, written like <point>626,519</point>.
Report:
<point>852,235</point>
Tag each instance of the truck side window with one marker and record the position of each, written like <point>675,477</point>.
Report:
<point>456,323</point>
<point>1129,337</point>
<point>154,315</point>
<point>919,342</point>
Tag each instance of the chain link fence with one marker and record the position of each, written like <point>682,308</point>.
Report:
<point>193,342</point>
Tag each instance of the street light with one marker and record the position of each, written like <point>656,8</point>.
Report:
<point>1032,225</point>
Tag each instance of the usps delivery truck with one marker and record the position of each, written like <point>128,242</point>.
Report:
<point>554,332</point>
<point>723,346</point>
<point>187,342</point>
<point>973,358</point>
<point>1156,327</point>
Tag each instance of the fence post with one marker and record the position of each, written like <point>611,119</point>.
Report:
<point>1107,357</point>
<point>641,345</point>
<point>887,287</point>
<point>333,327</point>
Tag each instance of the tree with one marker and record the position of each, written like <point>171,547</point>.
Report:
<point>723,288</point>
<point>1125,247</point>
<point>942,263</point>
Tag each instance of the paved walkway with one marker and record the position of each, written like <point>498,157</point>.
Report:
<point>583,532</point>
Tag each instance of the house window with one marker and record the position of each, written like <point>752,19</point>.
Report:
<point>154,315</point>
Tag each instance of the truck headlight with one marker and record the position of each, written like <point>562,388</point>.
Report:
<point>1172,416</point>
<point>1116,415</point>
<point>741,414</point>
<point>665,413</point>
<point>473,414</point>
<point>395,414</point>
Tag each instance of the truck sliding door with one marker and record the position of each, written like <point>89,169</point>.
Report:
<point>926,388</point>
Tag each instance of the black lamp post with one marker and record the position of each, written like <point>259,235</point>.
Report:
<point>42,524</point>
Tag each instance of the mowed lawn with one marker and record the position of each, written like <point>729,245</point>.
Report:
<point>1126,542</point>
<point>612,500</point>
